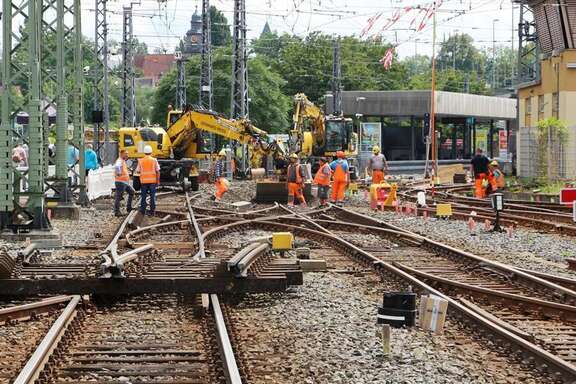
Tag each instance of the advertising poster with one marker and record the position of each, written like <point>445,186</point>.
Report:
<point>371,135</point>
<point>481,139</point>
<point>502,145</point>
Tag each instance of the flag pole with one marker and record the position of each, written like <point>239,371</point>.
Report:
<point>433,150</point>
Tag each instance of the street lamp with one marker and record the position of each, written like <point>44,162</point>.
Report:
<point>494,53</point>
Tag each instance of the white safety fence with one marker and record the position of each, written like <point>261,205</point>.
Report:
<point>100,182</point>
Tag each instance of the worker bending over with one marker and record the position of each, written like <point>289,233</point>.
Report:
<point>496,177</point>
<point>377,165</point>
<point>149,171</point>
<point>341,178</point>
<point>295,177</point>
<point>322,179</point>
<point>221,183</point>
<point>122,183</point>
<point>479,166</point>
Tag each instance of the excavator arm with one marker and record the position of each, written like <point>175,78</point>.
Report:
<point>186,129</point>
<point>301,140</point>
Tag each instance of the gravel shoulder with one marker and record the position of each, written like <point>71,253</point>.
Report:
<point>325,332</point>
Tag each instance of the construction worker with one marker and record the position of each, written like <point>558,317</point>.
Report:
<point>496,177</point>
<point>221,183</point>
<point>122,183</point>
<point>341,177</point>
<point>295,177</point>
<point>377,165</point>
<point>479,166</point>
<point>149,171</point>
<point>322,179</point>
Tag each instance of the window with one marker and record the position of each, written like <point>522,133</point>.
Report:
<point>555,104</point>
<point>336,139</point>
<point>528,105</point>
<point>128,141</point>
<point>148,134</point>
<point>541,105</point>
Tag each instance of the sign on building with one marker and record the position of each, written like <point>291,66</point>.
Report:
<point>370,135</point>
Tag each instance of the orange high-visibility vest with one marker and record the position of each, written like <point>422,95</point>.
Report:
<point>321,178</point>
<point>147,170</point>
<point>124,177</point>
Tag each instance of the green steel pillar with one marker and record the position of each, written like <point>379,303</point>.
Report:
<point>61,106</point>
<point>6,196</point>
<point>78,100</point>
<point>35,204</point>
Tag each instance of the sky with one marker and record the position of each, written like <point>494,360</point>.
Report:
<point>161,24</point>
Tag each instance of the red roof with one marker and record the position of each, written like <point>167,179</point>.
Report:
<point>154,65</point>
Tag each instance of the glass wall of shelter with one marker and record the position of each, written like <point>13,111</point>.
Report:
<point>404,137</point>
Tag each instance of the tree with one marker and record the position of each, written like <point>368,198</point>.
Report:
<point>269,107</point>
<point>220,29</point>
<point>459,53</point>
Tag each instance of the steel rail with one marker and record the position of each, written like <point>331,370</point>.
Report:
<point>31,309</point>
<point>543,359</point>
<point>197,232</point>
<point>228,360</point>
<point>31,371</point>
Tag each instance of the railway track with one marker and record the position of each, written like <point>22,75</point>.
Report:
<point>528,314</point>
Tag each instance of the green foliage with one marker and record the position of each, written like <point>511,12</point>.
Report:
<point>458,52</point>
<point>269,107</point>
<point>220,29</point>
<point>552,134</point>
<point>552,127</point>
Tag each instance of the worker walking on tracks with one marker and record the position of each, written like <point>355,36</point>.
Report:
<point>322,179</point>
<point>479,166</point>
<point>149,171</point>
<point>377,165</point>
<point>341,178</point>
<point>221,183</point>
<point>122,183</point>
<point>295,177</point>
<point>496,177</point>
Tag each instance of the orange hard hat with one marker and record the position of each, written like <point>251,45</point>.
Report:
<point>340,154</point>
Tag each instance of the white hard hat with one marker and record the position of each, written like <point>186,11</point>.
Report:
<point>147,149</point>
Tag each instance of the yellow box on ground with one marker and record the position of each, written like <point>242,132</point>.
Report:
<point>282,241</point>
<point>444,210</point>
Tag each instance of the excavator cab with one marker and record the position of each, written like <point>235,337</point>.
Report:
<point>340,135</point>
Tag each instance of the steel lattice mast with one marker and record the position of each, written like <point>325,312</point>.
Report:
<point>128,75</point>
<point>101,111</point>
<point>336,78</point>
<point>181,80</point>
<point>206,60</point>
<point>239,105</point>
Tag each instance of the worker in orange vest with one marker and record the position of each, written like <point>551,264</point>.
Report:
<point>496,177</point>
<point>122,183</point>
<point>322,179</point>
<point>221,183</point>
<point>295,177</point>
<point>377,165</point>
<point>149,171</point>
<point>341,177</point>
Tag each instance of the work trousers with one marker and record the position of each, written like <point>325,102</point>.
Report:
<point>338,190</point>
<point>145,190</point>
<point>377,176</point>
<point>120,189</point>
<point>479,190</point>
<point>295,191</point>
<point>323,194</point>
<point>220,188</point>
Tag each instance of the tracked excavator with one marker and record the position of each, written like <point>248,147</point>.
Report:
<point>188,140</point>
<point>315,135</point>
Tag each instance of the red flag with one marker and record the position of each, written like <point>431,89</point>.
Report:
<point>386,61</point>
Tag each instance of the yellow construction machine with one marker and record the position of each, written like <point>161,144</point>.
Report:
<point>187,140</point>
<point>314,134</point>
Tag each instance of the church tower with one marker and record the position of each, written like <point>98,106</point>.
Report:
<point>193,39</point>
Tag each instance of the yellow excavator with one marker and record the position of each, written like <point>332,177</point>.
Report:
<point>188,139</point>
<point>315,135</point>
